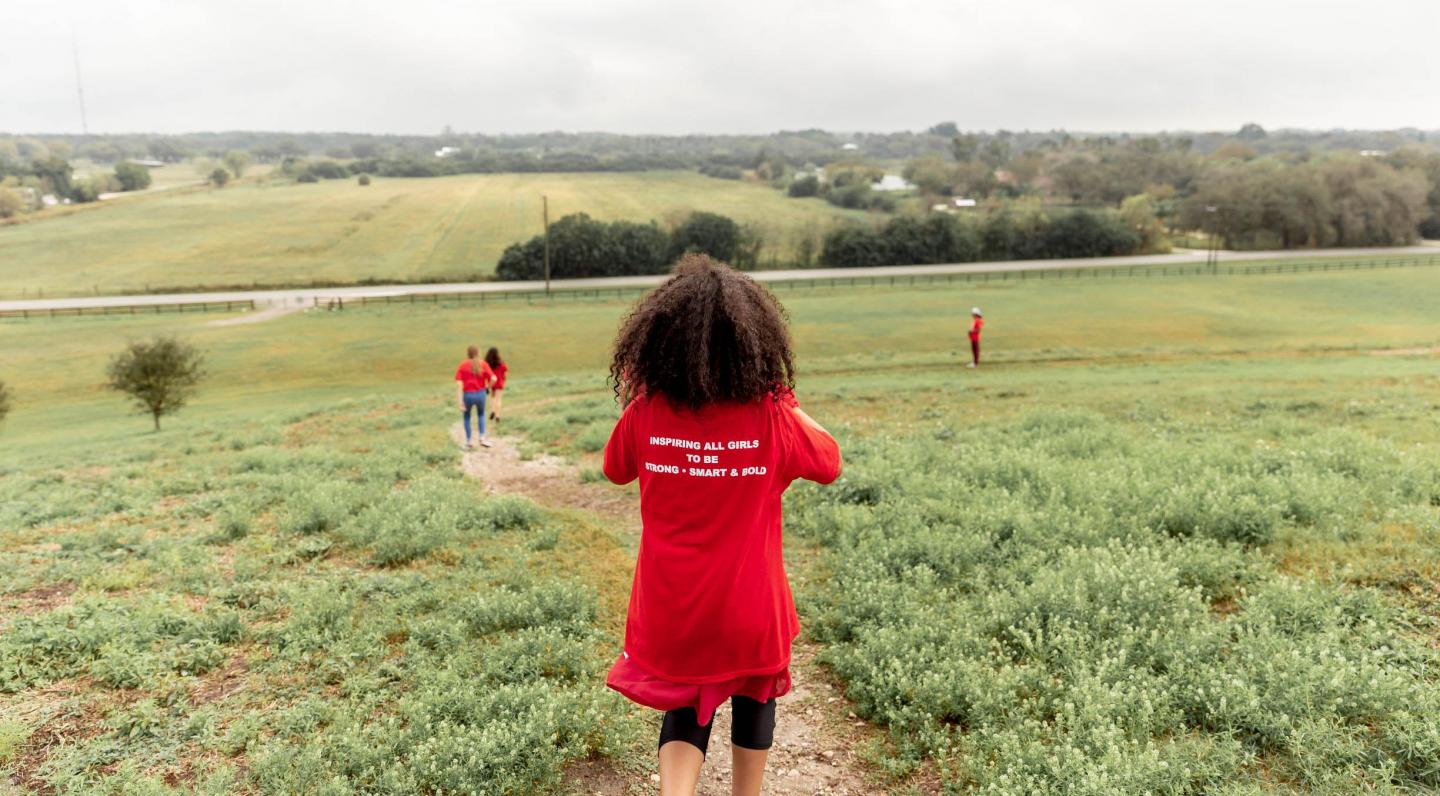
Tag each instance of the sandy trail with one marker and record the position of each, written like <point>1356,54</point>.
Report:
<point>260,316</point>
<point>1404,352</point>
<point>815,731</point>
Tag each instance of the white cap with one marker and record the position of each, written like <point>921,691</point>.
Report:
<point>975,311</point>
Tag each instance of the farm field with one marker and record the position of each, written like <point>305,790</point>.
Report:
<point>169,176</point>
<point>394,229</point>
<point>1174,537</point>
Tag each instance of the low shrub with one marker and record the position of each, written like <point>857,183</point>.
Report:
<point>1058,605</point>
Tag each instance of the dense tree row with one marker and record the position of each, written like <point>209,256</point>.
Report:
<point>580,246</point>
<point>1334,201</point>
<point>795,147</point>
<point>1006,235</point>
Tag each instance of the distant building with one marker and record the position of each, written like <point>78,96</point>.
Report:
<point>149,164</point>
<point>893,182</point>
<point>850,147</point>
<point>447,151</point>
<point>951,205</point>
<point>29,196</point>
<point>1372,153</point>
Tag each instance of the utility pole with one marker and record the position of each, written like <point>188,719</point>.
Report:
<point>1212,253</point>
<point>79,86</point>
<point>545,218</point>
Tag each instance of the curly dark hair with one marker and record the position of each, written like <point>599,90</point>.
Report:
<point>707,334</point>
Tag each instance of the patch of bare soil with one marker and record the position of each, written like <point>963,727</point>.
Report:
<point>67,720</point>
<point>35,601</point>
<point>1404,352</point>
<point>548,480</point>
<point>816,731</point>
<point>270,313</point>
<point>221,683</point>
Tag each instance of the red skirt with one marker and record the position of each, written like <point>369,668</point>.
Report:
<point>643,688</point>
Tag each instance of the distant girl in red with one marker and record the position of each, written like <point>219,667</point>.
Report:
<point>714,434</point>
<point>500,369</point>
<point>976,324</point>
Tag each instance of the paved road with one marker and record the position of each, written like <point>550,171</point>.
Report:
<point>307,295</point>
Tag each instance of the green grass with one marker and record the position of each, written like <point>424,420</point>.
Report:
<point>407,229</point>
<point>55,367</point>
<point>163,178</point>
<point>1176,536</point>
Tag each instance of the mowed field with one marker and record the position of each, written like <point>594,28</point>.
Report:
<point>394,229</point>
<point>1176,536</point>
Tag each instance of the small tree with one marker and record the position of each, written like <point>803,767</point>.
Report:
<point>219,177</point>
<point>10,203</point>
<point>707,233</point>
<point>159,375</point>
<point>809,185</point>
<point>4,401</point>
<point>364,179</point>
<point>132,176</point>
<point>237,160</point>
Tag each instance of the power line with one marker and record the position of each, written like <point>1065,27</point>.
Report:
<point>79,86</point>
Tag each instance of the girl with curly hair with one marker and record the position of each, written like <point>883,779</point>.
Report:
<point>712,430</point>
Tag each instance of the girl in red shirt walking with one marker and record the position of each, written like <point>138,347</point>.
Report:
<point>472,382</point>
<point>500,369</point>
<point>977,323</point>
<point>714,434</point>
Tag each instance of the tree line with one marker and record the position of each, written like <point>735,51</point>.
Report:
<point>581,246</point>
<point>796,147</point>
<point>1031,234</point>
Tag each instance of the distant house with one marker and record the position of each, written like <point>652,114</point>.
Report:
<point>850,147</point>
<point>952,205</point>
<point>1372,153</point>
<point>893,182</point>
<point>29,196</point>
<point>149,164</point>
<point>447,151</point>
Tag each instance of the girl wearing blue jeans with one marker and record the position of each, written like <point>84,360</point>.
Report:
<point>472,384</point>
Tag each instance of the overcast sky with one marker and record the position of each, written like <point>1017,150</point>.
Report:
<point>724,66</point>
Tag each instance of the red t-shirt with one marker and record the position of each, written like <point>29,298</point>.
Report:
<point>500,371</point>
<point>976,327</point>
<point>710,601</point>
<point>469,380</point>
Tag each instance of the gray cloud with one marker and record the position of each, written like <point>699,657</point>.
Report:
<point>740,66</point>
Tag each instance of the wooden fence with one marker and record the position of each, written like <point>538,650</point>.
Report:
<point>905,280</point>
<point>563,292</point>
<point>132,309</point>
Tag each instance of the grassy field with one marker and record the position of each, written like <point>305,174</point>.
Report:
<point>1176,536</point>
<point>169,176</point>
<point>434,229</point>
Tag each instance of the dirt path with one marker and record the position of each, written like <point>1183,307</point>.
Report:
<point>1404,352</point>
<point>268,314</point>
<point>815,732</point>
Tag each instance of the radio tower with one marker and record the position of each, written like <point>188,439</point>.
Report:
<point>79,86</point>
